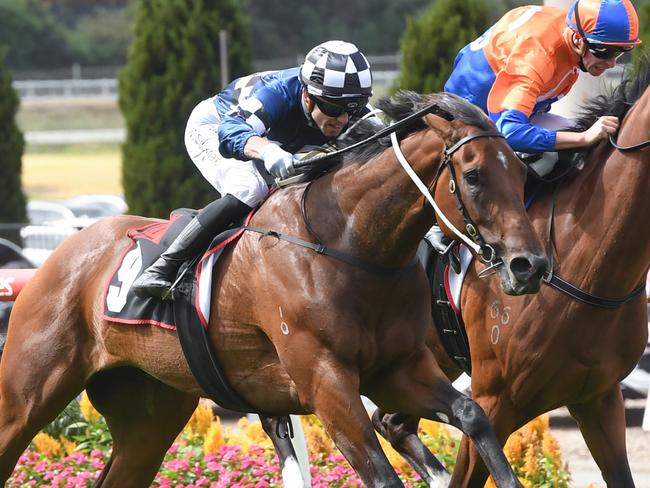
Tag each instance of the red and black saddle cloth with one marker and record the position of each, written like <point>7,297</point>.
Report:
<point>148,242</point>
<point>188,313</point>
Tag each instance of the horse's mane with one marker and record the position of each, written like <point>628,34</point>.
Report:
<point>616,101</point>
<point>400,106</point>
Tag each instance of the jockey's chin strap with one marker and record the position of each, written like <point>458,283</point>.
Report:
<point>475,241</point>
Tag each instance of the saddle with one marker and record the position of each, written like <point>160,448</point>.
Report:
<point>188,313</point>
<point>445,274</point>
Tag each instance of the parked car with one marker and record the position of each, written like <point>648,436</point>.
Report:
<point>12,256</point>
<point>51,222</point>
<point>96,206</point>
<point>42,212</point>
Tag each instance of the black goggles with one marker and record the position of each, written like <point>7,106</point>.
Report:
<point>330,109</point>
<point>606,51</point>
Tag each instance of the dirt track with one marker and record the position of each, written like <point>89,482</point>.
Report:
<point>583,469</point>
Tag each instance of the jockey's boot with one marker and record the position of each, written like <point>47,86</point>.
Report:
<point>157,279</point>
<point>437,239</point>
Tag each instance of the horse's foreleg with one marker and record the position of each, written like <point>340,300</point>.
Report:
<point>295,471</point>
<point>402,433</point>
<point>470,469</point>
<point>602,423</point>
<point>144,417</point>
<point>331,391</point>
<point>422,390</point>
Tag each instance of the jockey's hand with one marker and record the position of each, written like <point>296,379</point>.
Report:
<point>277,161</point>
<point>605,125</point>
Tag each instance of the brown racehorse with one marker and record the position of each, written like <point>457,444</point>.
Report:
<point>295,331</point>
<point>536,353</point>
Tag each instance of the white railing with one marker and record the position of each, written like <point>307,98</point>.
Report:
<point>70,88</point>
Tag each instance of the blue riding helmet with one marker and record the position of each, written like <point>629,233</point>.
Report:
<point>608,22</point>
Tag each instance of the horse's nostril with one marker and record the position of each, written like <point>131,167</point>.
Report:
<point>521,268</point>
<point>524,268</point>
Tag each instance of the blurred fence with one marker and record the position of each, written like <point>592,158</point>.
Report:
<point>101,82</point>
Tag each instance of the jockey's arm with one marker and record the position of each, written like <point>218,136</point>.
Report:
<point>604,126</point>
<point>241,133</point>
<point>254,147</point>
<point>526,137</point>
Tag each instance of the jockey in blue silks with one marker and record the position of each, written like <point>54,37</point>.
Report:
<point>266,116</point>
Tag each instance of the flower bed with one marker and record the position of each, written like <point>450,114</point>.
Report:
<point>72,451</point>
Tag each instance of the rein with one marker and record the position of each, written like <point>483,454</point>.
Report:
<point>485,252</point>
<point>568,288</point>
<point>633,147</point>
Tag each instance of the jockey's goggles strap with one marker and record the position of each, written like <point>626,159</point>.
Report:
<point>405,122</point>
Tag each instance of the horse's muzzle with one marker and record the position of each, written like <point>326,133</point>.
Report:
<point>524,273</point>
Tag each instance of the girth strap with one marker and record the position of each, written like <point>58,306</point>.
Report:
<point>327,251</point>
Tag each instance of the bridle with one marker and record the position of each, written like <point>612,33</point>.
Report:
<point>486,253</point>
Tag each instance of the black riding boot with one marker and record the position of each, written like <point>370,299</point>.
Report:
<point>157,279</point>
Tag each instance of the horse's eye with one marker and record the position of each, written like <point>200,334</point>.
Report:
<point>471,177</point>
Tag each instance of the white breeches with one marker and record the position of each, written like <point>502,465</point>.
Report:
<point>240,179</point>
<point>550,121</point>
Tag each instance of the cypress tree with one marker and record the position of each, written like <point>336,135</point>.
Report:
<point>12,207</point>
<point>430,43</point>
<point>173,63</point>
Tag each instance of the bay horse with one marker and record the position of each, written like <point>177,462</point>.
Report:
<point>534,353</point>
<point>295,331</point>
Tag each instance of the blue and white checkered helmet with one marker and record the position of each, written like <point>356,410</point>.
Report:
<point>336,69</point>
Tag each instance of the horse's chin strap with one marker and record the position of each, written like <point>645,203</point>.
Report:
<point>476,243</point>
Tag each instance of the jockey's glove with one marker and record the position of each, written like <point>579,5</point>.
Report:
<point>278,162</point>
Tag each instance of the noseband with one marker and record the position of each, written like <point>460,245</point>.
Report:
<point>486,253</point>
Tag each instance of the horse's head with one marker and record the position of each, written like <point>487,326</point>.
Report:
<point>478,185</point>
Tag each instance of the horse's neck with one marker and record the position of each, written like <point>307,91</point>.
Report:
<point>382,215</point>
<point>603,218</point>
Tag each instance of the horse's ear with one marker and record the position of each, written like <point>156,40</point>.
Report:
<point>439,124</point>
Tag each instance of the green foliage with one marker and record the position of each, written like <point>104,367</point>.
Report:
<point>31,35</point>
<point>642,52</point>
<point>102,37</point>
<point>173,64</point>
<point>432,41</point>
<point>68,423</point>
<point>12,208</point>
<point>293,27</point>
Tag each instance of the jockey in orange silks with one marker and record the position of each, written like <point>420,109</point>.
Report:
<point>530,59</point>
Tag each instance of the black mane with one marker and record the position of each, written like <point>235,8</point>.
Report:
<point>617,101</point>
<point>403,104</point>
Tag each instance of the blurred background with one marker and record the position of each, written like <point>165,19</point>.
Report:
<point>94,96</point>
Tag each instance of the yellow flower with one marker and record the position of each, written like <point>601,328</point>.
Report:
<point>513,448</point>
<point>68,445</point>
<point>87,409</point>
<point>213,437</point>
<point>45,444</point>
<point>200,421</point>
<point>431,428</point>
<point>395,459</point>
<point>317,439</point>
<point>531,466</point>
<point>550,446</point>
